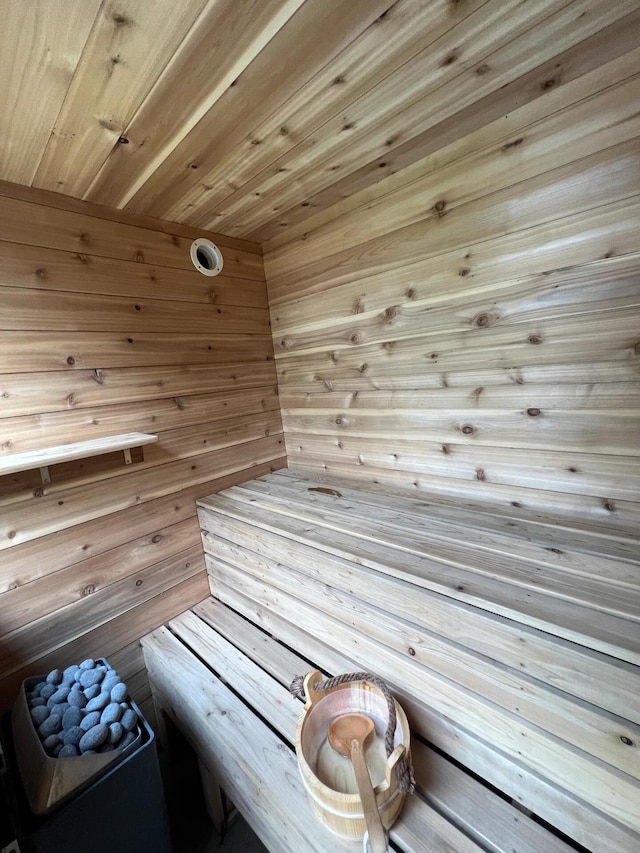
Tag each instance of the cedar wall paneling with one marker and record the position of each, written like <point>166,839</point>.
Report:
<point>470,326</point>
<point>106,328</point>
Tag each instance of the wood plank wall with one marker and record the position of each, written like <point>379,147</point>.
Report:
<point>469,326</point>
<point>106,328</point>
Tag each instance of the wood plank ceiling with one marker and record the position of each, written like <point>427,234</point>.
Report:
<point>249,116</point>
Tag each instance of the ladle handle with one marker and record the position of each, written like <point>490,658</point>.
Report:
<point>377,837</point>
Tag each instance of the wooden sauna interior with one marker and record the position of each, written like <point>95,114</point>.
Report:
<point>429,213</point>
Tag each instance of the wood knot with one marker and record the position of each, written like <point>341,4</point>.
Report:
<point>157,538</point>
<point>517,504</point>
<point>70,360</point>
<point>481,321</point>
<point>339,80</point>
<point>284,131</point>
<point>41,272</point>
<point>548,84</point>
<point>323,490</point>
<point>480,475</point>
<point>339,421</point>
<point>609,505</point>
<point>390,313</point>
<point>439,208</point>
<point>11,534</point>
<point>193,166</point>
<point>411,651</point>
<point>354,338</point>
<point>84,238</point>
<point>464,271</point>
<point>139,581</point>
<point>446,449</point>
<point>89,589</point>
<point>533,413</point>
<point>71,400</point>
<point>139,257</point>
<point>448,60</point>
<point>285,343</point>
<point>39,492</point>
<point>481,70</point>
<point>467,429</point>
<point>411,293</point>
<point>123,140</point>
<point>626,740</point>
<point>363,368</point>
<point>348,126</point>
<point>514,144</point>
<point>534,339</point>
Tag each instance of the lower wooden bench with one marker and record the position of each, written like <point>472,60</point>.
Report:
<point>513,647</point>
<point>223,682</point>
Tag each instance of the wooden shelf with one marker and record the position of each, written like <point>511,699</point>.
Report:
<point>68,452</point>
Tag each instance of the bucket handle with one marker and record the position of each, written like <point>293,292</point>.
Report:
<point>304,687</point>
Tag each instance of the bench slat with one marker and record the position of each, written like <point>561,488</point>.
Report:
<point>580,536</point>
<point>502,771</point>
<point>259,773</point>
<point>584,726</point>
<point>411,516</point>
<point>465,801</point>
<point>589,675</point>
<point>597,784</point>
<point>584,625</point>
<point>274,702</point>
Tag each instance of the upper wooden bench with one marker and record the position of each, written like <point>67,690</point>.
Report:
<point>513,646</point>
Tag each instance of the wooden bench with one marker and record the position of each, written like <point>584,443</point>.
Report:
<point>513,646</point>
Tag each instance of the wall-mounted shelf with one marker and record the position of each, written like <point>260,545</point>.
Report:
<point>68,452</point>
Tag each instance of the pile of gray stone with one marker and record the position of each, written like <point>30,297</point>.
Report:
<point>82,710</point>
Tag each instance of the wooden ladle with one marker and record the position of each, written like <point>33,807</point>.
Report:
<point>347,734</point>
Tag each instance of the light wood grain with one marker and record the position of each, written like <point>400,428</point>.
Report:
<point>264,87</point>
<point>432,771</point>
<point>114,634</point>
<point>67,452</point>
<point>258,143</point>
<point>407,28</point>
<point>27,266</point>
<point>468,712</point>
<point>27,222</point>
<point>29,393</point>
<point>228,36</point>
<point>129,42</point>
<point>120,555</point>
<point>505,774</point>
<point>426,90</point>
<point>39,54</point>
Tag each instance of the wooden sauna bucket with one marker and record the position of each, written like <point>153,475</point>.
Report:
<point>328,777</point>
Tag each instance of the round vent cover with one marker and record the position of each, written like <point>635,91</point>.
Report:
<point>206,257</point>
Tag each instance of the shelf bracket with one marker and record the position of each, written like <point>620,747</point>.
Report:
<point>127,456</point>
<point>45,476</point>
